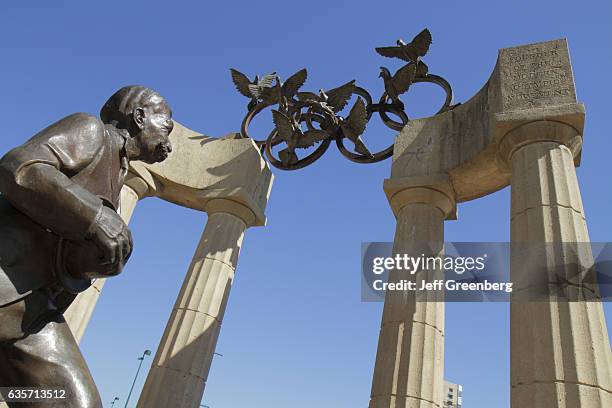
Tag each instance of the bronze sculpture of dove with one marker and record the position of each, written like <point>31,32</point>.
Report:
<point>329,103</point>
<point>293,84</point>
<point>282,92</point>
<point>399,83</point>
<point>334,99</point>
<point>354,125</point>
<point>410,52</point>
<point>289,130</point>
<point>305,119</point>
<point>252,89</point>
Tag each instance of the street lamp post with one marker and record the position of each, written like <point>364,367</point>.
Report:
<point>146,353</point>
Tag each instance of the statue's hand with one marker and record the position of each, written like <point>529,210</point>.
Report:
<point>110,234</point>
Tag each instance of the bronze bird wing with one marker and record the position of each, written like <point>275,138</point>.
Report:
<point>265,83</point>
<point>421,42</point>
<point>338,97</point>
<point>393,52</point>
<point>422,69</point>
<point>241,82</point>
<point>357,118</point>
<point>294,83</point>
<point>310,137</point>
<point>268,80</point>
<point>403,78</point>
<point>308,96</point>
<point>284,125</point>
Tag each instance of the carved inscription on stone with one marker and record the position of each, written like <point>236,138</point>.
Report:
<point>536,75</point>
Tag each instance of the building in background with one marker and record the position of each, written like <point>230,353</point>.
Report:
<point>452,395</point>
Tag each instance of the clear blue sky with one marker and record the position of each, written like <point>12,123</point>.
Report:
<point>295,333</point>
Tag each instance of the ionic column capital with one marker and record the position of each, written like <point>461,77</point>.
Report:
<point>225,205</point>
<point>435,190</point>
<point>540,131</point>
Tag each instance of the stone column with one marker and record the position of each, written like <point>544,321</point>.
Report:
<point>180,367</point>
<point>409,368</point>
<point>79,313</point>
<point>560,351</point>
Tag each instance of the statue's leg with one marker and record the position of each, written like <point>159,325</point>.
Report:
<point>49,358</point>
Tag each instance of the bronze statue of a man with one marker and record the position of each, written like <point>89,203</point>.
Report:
<point>59,228</point>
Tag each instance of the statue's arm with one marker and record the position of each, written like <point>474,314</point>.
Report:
<point>34,177</point>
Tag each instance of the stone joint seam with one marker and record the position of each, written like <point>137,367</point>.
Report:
<point>413,321</point>
<point>405,396</point>
<point>200,312</point>
<point>594,297</point>
<point>179,371</point>
<point>233,268</point>
<point>580,286</point>
<point>530,142</point>
<point>562,382</point>
<point>578,212</point>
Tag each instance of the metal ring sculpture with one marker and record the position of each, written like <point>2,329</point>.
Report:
<point>311,113</point>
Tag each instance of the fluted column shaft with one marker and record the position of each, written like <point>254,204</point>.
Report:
<point>560,351</point>
<point>79,313</point>
<point>409,368</point>
<point>182,362</point>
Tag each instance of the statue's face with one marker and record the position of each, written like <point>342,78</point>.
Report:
<point>155,125</point>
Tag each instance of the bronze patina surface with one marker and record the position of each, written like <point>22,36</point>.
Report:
<point>59,229</point>
<point>307,119</point>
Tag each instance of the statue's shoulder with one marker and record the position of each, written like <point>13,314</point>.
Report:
<point>81,124</point>
<point>80,133</point>
<point>74,140</point>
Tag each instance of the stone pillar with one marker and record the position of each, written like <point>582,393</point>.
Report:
<point>409,368</point>
<point>560,351</point>
<point>79,313</point>
<point>182,362</point>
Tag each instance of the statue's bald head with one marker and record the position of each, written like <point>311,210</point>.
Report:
<point>119,108</point>
<point>147,118</point>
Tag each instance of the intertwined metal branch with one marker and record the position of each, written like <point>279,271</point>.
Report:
<point>307,119</point>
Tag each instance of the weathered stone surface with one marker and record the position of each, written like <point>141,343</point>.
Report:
<point>201,168</point>
<point>560,351</point>
<point>536,75</point>
<point>409,369</point>
<point>463,142</point>
<point>229,180</point>
<point>524,126</point>
<point>186,350</point>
